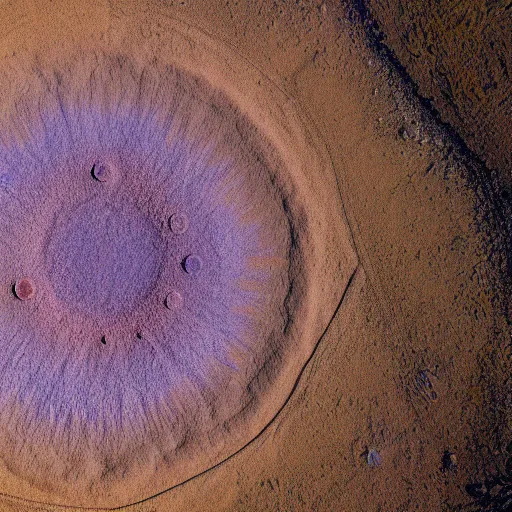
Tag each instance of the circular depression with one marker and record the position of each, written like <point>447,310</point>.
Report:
<point>153,349</point>
<point>103,260</point>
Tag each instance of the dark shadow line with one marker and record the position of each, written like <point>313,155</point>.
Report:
<point>497,193</point>
<point>272,420</point>
<point>234,454</point>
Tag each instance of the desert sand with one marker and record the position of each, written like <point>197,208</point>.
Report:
<point>246,265</point>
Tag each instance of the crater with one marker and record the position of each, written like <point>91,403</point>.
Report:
<point>181,288</point>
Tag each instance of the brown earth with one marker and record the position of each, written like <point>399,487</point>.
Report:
<point>415,364</point>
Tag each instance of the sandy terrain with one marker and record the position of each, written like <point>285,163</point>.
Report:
<point>400,361</point>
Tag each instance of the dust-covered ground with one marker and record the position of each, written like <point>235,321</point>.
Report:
<point>402,402</point>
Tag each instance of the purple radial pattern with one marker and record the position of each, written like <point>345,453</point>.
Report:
<point>97,372</point>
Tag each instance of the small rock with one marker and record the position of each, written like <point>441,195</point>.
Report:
<point>449,461</point>
<point>408,131</point>
<point>373,458</point>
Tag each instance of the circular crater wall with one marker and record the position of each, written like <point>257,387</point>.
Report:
<point>176,232</point>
